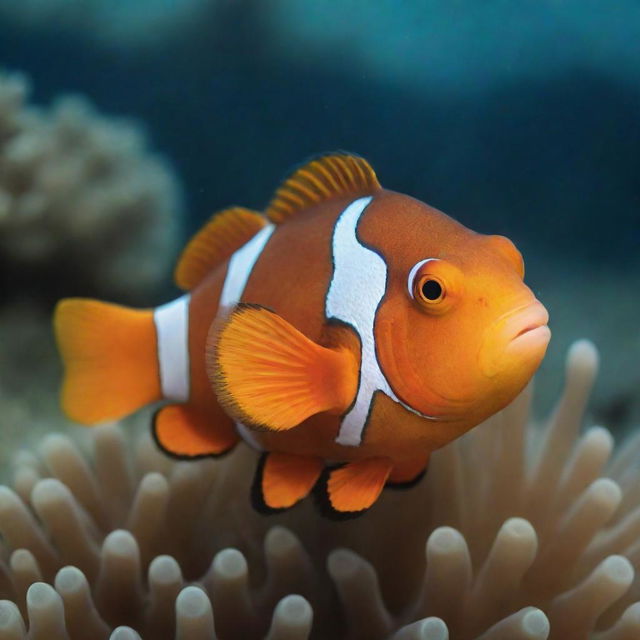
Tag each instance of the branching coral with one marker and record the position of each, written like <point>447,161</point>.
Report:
<point>531,532</point>
<point>81,199</point>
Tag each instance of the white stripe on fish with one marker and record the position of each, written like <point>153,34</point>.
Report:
<point>358,284</point>
<point>172,330</point>
<point>172,320</point>
<point>357,287</point>
<point>240,266</point>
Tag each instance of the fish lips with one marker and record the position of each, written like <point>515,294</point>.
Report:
<point>530,328</point>
<point>518,339</point>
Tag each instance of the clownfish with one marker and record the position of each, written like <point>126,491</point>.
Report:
<point>346,333</point>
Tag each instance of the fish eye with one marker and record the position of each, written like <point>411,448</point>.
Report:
<point>431,290</point>
<point>434,284</point>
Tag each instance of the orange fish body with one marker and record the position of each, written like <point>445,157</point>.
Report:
<point>351,325</point>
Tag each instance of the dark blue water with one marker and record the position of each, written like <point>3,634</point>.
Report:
<point>549,159</point>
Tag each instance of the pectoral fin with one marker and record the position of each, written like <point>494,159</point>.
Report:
<point>357,485</point>
<point>268,374</point>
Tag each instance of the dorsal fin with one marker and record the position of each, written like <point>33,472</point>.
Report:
<point>328,176</point>
<point>218,240</point>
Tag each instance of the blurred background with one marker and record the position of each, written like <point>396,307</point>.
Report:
<point>124,125</point>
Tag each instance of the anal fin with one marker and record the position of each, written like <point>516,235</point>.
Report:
<point>357,485</point>
<point>284,479</point>
<point>185,432</point>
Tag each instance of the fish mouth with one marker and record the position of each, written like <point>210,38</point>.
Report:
<point>529,324</point>
<point>520,336</point>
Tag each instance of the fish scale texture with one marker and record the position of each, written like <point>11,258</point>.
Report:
<point>518,531</point>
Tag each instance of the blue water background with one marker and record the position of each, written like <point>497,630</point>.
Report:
<point>549,158</point>
<point>519,118</point>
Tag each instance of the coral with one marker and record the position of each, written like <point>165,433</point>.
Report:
<point>84,206</point>
<point>531,532</point>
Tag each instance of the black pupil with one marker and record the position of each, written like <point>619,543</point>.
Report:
<point>431,290</point>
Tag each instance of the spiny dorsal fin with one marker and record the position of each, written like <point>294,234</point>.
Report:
<point>329,176</point>
<point>218,240</point>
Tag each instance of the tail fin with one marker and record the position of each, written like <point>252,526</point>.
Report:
<point>110,359</point>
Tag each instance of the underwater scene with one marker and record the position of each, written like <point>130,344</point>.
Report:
<point>319,320</point>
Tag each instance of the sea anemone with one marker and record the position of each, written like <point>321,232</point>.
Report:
<point>531,532</point>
